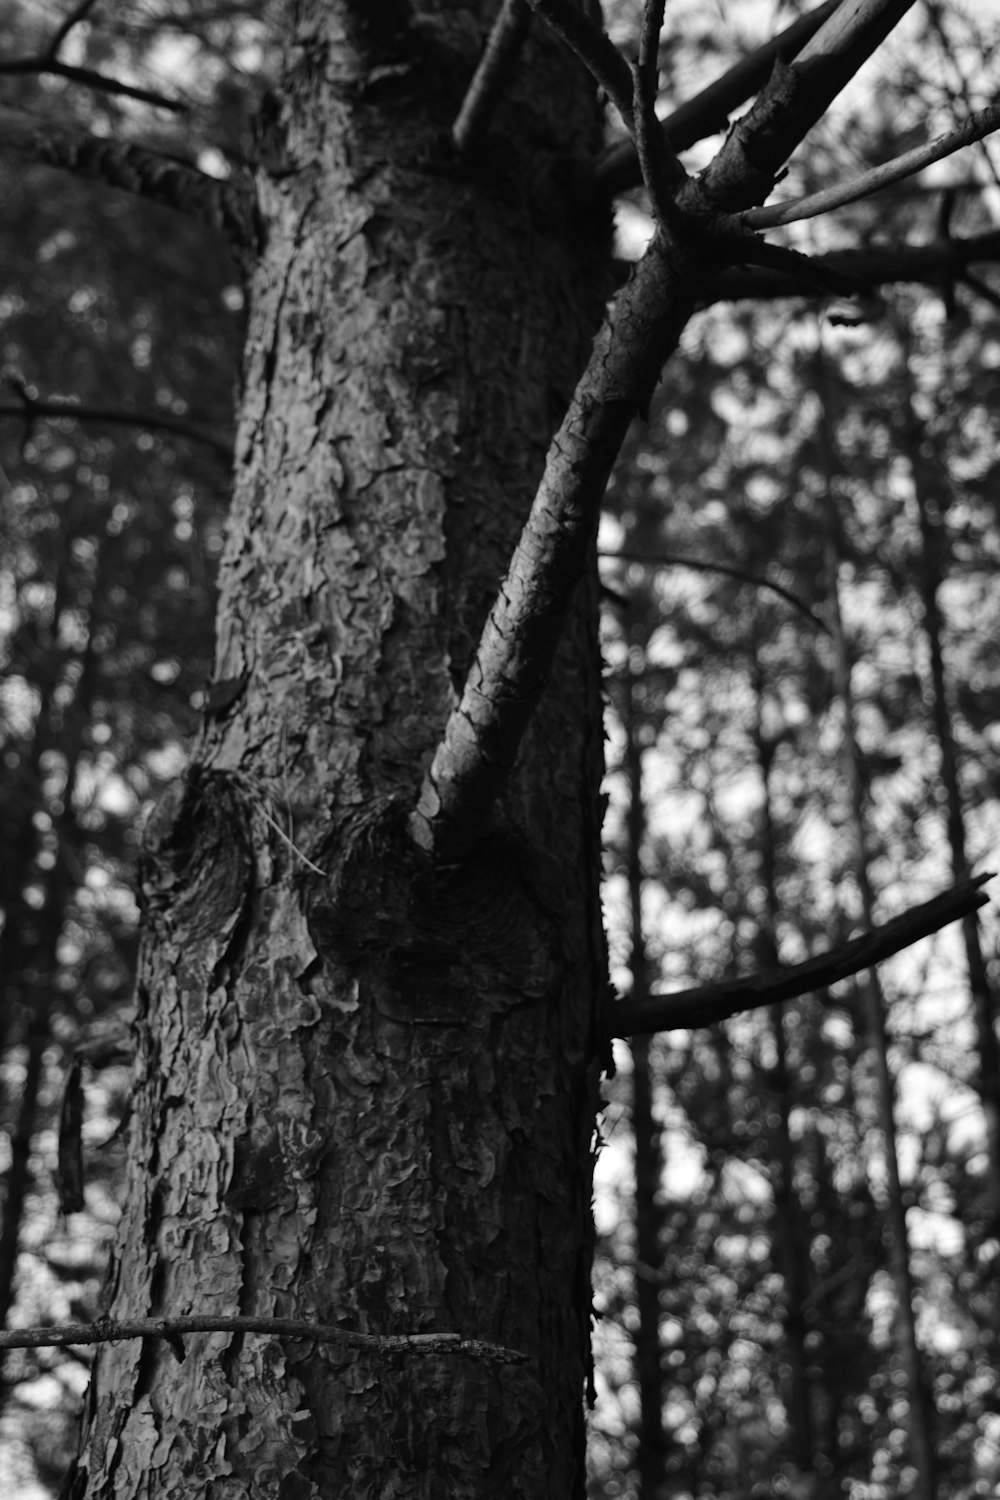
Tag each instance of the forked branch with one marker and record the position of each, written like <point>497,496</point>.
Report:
<point>518,644</point>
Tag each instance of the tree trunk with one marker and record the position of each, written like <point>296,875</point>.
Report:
<point>367,1086</point>
<point>921,1415</point>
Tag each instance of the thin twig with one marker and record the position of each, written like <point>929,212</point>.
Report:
<point>491,77</point>
<point>594,49</point>
<point>62,31</point>
<point>980,287</point>
<point>60,407</point>
<point>678,560</point>
<point>982,123</point>
<point>708,1004</point>
<point>172,1329</point>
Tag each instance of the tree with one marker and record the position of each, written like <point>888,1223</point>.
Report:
<point>374,1007</point>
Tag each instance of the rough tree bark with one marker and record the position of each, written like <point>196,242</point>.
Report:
<point>371,987</point>
<point>367,1085</point>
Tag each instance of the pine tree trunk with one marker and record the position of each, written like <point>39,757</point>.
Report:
<point>367,1087</point>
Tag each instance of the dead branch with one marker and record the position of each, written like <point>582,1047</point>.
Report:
<point>708,1004</point>
<point>173,1330</point>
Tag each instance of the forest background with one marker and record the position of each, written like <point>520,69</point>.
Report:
<point>799,1208</point>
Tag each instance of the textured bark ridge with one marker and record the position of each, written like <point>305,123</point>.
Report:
<point>367,1083</point>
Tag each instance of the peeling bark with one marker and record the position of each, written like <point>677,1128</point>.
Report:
<point>366,1083</point>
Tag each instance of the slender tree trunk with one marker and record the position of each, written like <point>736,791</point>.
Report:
<point>930,493</point>
<point>790,1243</point>
<point>367,1086</point>
<point>649,1163</point>
<point>921,1408</point>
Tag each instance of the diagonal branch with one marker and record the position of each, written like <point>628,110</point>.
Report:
<point>90,79</point>
<point>797,95</point>
<point>226,206</point>
<point>491,77</point>
<point>711,1003</point>
<point>518,644</point>
<point>707,113</point>
<point>71,19</point>
<point>519,639</point>
<point>594,49</point>
<point>49,62</point>
<point>981,124</point>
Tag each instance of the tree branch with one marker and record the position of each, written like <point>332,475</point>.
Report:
<point>172,1329</point>
<point>941,260</point>
<point>518,644</point>
<point>797,95</point>
<point>71,19</point>
<point>491,77</point>
<point>594,49</point>
<point>49,62</point>
<point>981,124</point>
<point>226,206</point>
<point>677,560</point>
<point>90,79</point>
<point>708,1004</point>
<point>708,112</point>
<point>30,407</point>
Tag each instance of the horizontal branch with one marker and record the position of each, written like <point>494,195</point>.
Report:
<point>940,261</point>
<point>224,205</point>
<point>173,1329</point>
<point>978,125</point>
<point>708,1004</point>
<point>28,408</point>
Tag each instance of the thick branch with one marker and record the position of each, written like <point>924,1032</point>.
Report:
<point>797,95</point>
<point>173,1329</point>
<point>708,112</point>
<point>518,644</point>
<point>223,205</point>
<point>711,1003</point>
<point>519,640</point>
